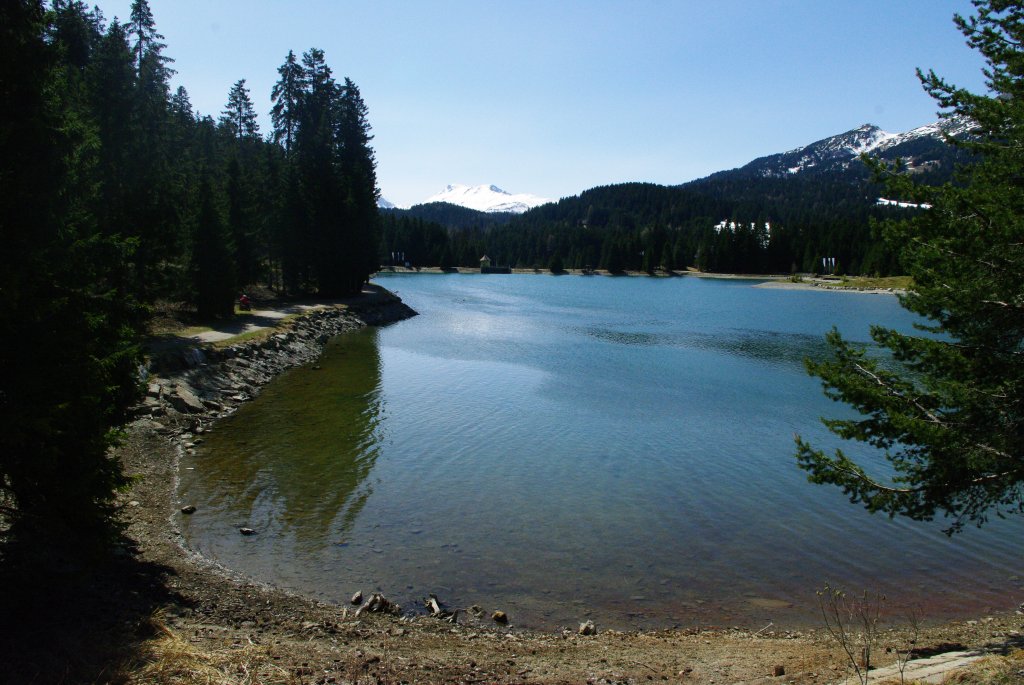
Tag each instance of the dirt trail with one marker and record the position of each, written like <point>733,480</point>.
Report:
<point>250,322</point>
<point>264,317</point>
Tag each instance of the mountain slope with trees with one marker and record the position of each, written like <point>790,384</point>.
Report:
<point>778,214</point>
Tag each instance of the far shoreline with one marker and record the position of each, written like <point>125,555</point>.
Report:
<point>805,282</point>
<point>585,272</point>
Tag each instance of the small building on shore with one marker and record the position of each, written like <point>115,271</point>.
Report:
<point>487,268</point>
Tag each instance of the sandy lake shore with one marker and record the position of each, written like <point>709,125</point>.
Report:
<point>822,286</point>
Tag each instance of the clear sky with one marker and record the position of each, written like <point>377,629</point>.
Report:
<point>553,97</point>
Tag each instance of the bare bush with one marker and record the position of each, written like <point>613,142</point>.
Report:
<point>853,623</point>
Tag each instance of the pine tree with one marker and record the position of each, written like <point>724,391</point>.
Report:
<point>153,217</point>
<point>181,108</point>
<point>111,85</point>
<point>357,167</point>
<point>286,96</point>
<point>239,116</point>
<point>315,157</point>
<point>142,27</point>
<point>76,30</point>
<point>947,412</point>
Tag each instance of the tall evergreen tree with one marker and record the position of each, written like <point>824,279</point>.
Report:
<point>182,117</point>
<point>142,28</point>
<point>949,418</point>
<point>286,96</point>
<point>318,174</point>
<point>238,120</point>
<point>358,169</point>
<point>76,29</point>
<point>111,85</point>
<point>154,195</point>
<point>239,116</point>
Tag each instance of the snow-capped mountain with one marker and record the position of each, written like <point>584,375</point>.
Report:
<point>487,199</point>
<point>384,203</point>
<point>919,148</point>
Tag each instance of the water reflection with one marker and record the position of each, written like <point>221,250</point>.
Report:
<point>764,346</point>
<point>296,463</point>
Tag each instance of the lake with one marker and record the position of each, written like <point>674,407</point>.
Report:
<point>565,448</point>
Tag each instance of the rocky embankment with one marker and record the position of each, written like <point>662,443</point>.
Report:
<point>204,383</point>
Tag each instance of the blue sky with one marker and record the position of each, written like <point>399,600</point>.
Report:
<point>555,97</point>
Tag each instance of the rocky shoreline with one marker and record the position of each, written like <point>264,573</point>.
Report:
<point>209,382</point>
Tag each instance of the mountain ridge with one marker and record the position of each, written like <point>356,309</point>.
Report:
<point>920,149</point>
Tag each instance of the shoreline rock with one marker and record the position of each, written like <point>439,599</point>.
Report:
<point>205,382</point>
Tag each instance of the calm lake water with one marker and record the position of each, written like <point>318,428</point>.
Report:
<point>564,448</point>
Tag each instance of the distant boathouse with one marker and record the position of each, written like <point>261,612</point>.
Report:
<point>486,268</point>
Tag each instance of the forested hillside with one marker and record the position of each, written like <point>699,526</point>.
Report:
<point>766,225</point>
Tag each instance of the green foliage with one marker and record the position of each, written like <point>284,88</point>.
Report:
<point>948,410</point>
<point>556,265</point>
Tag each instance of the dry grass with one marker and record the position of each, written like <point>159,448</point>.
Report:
<point>170,659</point>
<point>261,334</point>
<point>993,670</point>
<point>893,282</point>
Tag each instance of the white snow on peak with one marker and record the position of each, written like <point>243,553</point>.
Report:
<point>953,126</point>
<point>841,149</point>
<point>384,203</point>
<point>487,198</point>
<point>869,137</point>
